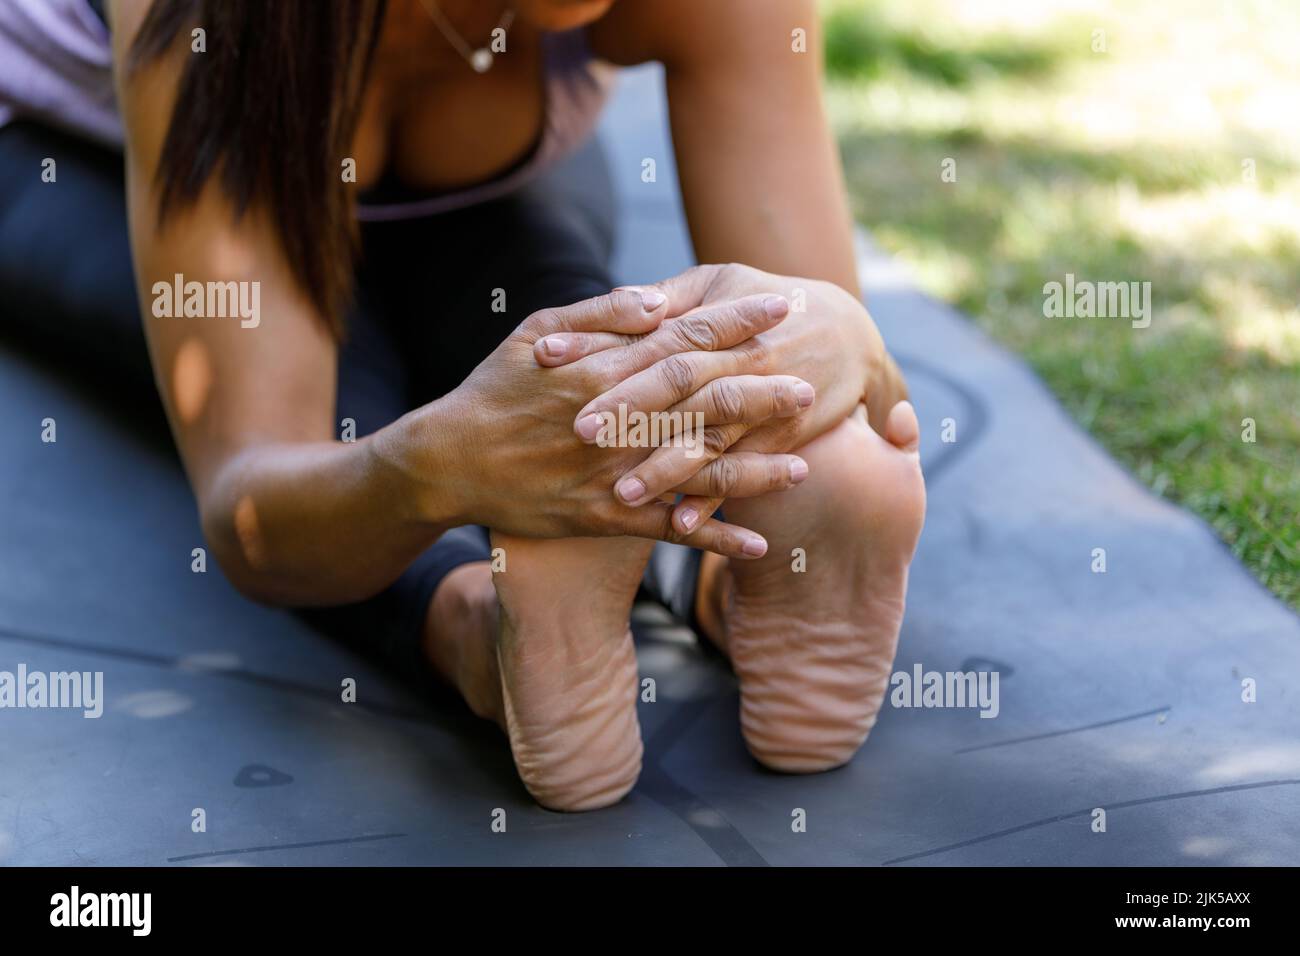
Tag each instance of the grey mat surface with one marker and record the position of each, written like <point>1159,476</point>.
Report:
<point>1119,691</point>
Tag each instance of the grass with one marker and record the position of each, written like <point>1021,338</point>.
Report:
<point>1170,156</point>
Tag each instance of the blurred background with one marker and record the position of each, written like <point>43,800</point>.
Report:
<point>1134,140</point>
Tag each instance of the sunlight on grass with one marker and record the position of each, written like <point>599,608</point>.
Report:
<point>1118,141</point>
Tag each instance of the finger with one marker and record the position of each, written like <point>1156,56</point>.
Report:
<point>729,540</point>
<point>618,311</point>
<point>774,436</point>
<point>669,465</point>
<point>684,291</point>
<point>563,348</point>
<point>744,399</point>
<point>702,329</point>
<point>711,329</point>
<point>666,383</point>
<point>777,436</point>
<point>729,400</point>
<point>684,470</point>
<point>744,474</point>
<point>693,509</point>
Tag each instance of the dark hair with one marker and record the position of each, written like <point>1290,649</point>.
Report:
<point>271,108</point>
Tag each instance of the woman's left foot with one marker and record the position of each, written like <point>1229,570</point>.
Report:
<point>812,627</point>
<point>568,666</point>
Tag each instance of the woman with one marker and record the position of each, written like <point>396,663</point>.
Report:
<point>255,132</point>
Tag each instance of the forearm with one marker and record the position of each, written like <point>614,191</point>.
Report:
<point>321,523</point>
<point>763,185</point>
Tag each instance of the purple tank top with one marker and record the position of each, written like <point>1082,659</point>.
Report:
<point>56,67</point>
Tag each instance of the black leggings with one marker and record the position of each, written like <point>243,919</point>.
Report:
<point>422,319</point>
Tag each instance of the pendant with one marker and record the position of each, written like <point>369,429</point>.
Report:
<point>481,61</point>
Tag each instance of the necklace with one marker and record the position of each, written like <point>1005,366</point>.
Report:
<point>480,60</point>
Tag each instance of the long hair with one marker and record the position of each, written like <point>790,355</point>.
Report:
<point>270,108</point>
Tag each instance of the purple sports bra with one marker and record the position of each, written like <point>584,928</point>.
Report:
<point>56,67</point>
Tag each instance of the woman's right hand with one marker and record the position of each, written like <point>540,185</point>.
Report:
<point>501,449</point>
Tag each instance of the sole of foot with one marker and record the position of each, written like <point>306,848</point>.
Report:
<point>812,627</point>
<point>567,666</point>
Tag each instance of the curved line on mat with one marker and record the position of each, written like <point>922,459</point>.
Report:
<point>709,825</point>
<point>975,428</point>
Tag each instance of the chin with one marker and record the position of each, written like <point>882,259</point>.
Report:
<point>556,15</point>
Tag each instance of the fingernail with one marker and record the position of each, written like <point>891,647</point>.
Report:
<point>805,393</point>
<point>555,347</point>
<point>776,306</point>
<point>588,427</point>
<point>631,489</point>
<point>754,547</point>
<point>652,300</point>
<point>798,470</point>
<point>689,518</point>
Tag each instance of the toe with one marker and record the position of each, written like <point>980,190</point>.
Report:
<point>902,429</point>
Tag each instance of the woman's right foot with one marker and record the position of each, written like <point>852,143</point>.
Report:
<point>813,644</point>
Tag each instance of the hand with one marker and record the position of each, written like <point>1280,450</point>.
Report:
<point>831,344</point>
<point>517,466</point>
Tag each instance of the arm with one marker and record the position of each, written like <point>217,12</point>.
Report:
<point>760,175</point>
<point>292,515</point>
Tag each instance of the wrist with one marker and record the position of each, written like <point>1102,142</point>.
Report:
<point>421,468</point>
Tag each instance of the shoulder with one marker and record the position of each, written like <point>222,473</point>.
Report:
<point>681,33</point>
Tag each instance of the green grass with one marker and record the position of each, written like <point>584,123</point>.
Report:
<point>1122,165</point>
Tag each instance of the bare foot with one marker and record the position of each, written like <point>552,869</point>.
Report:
<point>814,649</point>
<point>568,666</point>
